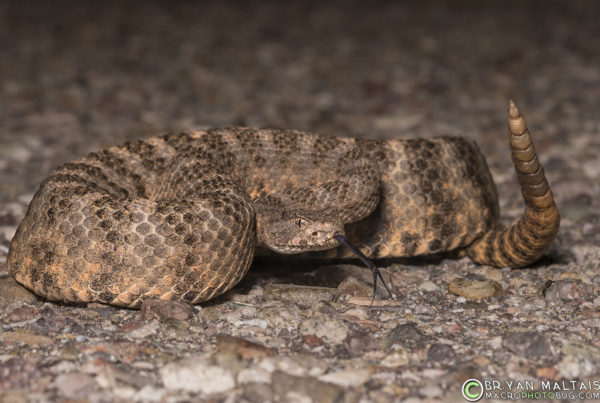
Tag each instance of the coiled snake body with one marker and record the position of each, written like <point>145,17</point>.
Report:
<point>180,216</point>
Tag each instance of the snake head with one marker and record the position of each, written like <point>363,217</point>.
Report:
<point>296,232</point>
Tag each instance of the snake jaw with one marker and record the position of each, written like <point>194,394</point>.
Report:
<point>301,248</point>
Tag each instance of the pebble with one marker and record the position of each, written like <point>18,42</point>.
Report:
<point>573,275</point>
<point>303,296</point>
<point>430,391</point>
<point>317,390</point>
<point>388,316</point>
<point>440,353</point>
<point>312,341</point>
<point>160,309</point>
<point>257,392</point>
<point>582,349</point>
<point>212,313</point>
<point>142,330</point>
<point>298,365</point>
<point>546,372</point>
<point>22,313</point>
<point>358,313</point>
<point>572,366</point>
<point>358,342</point>
<point>249,375</point>
<point>64,366</point>
<point>245,348</point>
<point>11,291</point>
<point>355,287</point>
<point>25,337</point>
<point>18,372</point>
<point>229,360</point>
<point>237,314</point>
<point>149,393</point>
<point>566,290</point>
<point>196,375</point>
<point>175,329</point>
<point>396,358</point>
<point>126,351</point>
<point>75,384</point>
<point>280,314</point>
<point>527,344</point>
<point>14,396</point>
<point>408,336</point>
<point>490,273</point>
<point>495,342</point>
<point>429,286</point>
<point>325,327</point>
<point>475,304</point>
<point>260,323</point>
<point>475,289</point>
<point>347,378</point>
<point>297,397</point>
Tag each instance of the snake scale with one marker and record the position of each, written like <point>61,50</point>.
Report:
<point>180,216</point>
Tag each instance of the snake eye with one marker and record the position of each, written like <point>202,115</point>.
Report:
<point>302,221</point>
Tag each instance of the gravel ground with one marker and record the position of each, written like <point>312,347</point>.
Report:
<point>75,77</point>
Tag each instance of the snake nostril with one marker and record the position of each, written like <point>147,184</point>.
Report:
<point>315,233</point>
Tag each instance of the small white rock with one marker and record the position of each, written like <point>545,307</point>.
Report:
<point>282,363</point>
<point>395,358</point>
<point>495,342</point>
<point>386,377</point>
<point>433,373</point>
<point>280,315</point>
<point>143,365</point>
<point>74,384</point>
<point>63,366</point>
<point>195,375</point>
<point>261,323</point>
<point>346,378</point>
<point>327,328</point>
<point>386,316</point>
<point>296,397</point>
<point>145,330</point>
<point>429,286</point>
<point>149,394</point>
<point>124,393</point>
<point>253,375</point>
<point>357,313</point>
<point>571,367</point>
<point>430,391</point>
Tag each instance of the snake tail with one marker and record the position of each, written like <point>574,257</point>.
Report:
<point>530,237</point>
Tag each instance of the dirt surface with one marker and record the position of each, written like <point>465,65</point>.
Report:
<point>79,76</point>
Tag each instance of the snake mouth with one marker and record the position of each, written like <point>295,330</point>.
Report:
<point>290,249</point>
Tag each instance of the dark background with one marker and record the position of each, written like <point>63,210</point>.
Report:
<point>76,76</point>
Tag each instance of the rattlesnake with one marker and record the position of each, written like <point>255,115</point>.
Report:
<point>180,216</point>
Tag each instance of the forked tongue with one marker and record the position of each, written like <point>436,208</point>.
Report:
<point>367,262</point>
